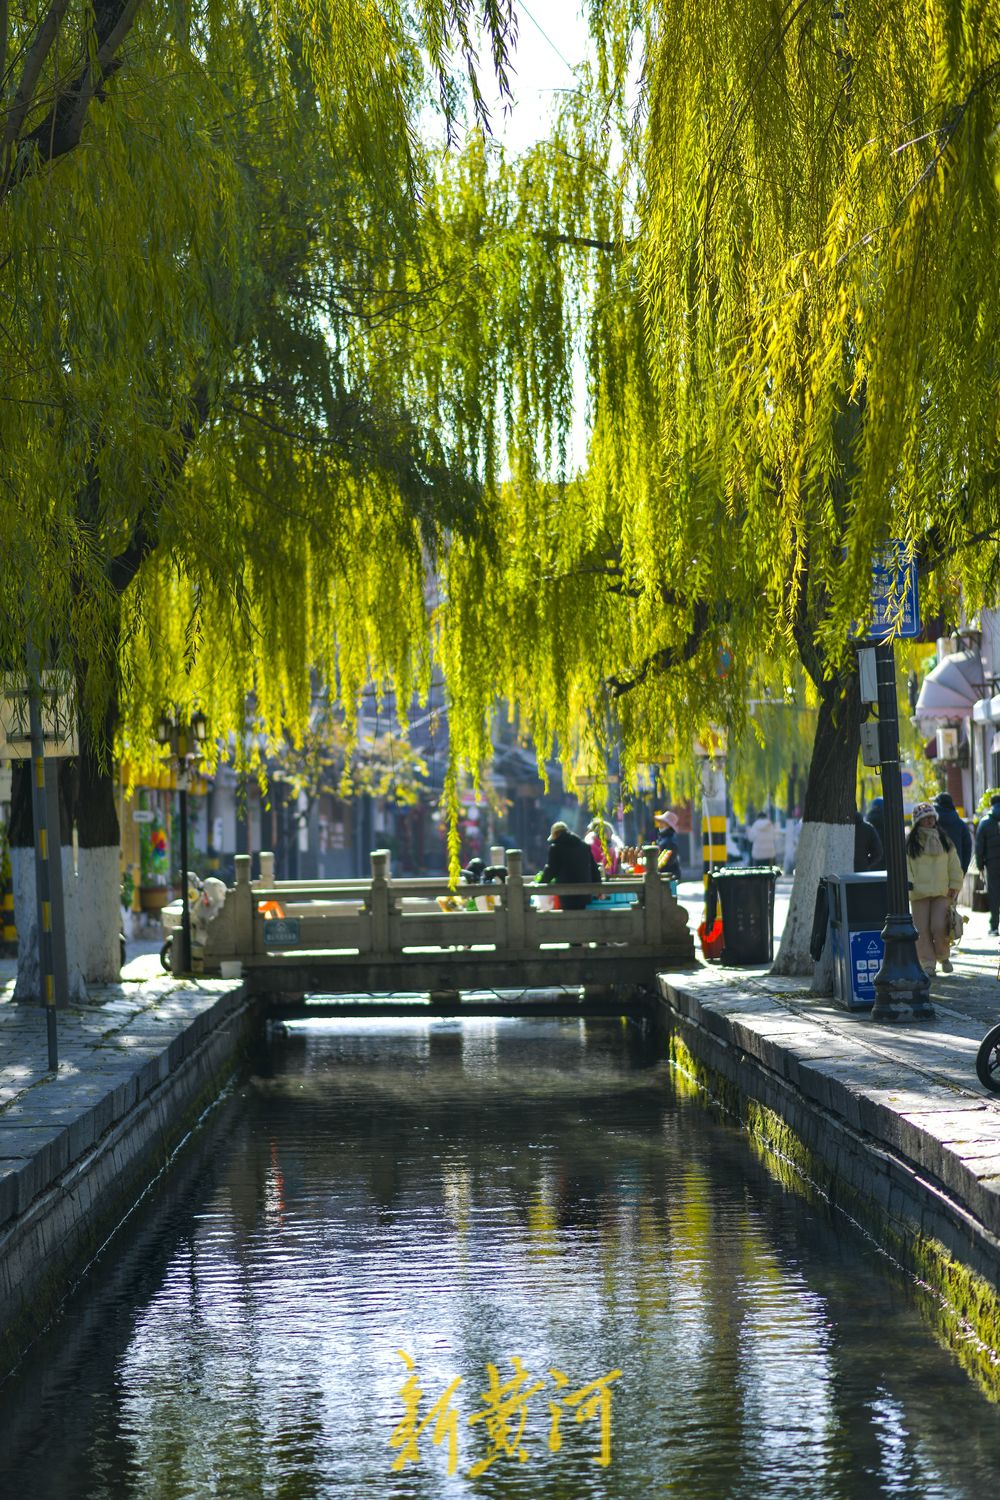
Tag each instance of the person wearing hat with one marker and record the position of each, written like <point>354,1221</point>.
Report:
<point>667,842</point>
<point>665,836</point>
<point>935,873</point>
<point>570,861</point>
<point>988,859</point>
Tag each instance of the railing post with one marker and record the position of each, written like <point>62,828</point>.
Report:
<point>514,898</point>
<point>243,927</point>
<point>266,868</point>
<point>652,898</point>
<point>498,854</point>
<point>380,900</point>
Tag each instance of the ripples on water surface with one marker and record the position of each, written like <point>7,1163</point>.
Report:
<point>469,1194</point>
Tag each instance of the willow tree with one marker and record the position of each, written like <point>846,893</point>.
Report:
<point>778,267</point>
<point>217,473</point>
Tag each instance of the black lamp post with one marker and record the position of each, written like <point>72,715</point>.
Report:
<point>185,741</point>
<point>900,979</point>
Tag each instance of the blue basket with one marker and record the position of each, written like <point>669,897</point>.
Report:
<point>614,898</point>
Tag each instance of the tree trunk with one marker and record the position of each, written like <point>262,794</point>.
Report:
<point>826,845</point>
<point>98,908</point>
<point>91,884</point>
<point>22,859</point>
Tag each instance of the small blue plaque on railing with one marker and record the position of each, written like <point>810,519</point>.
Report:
<point>281,932</point>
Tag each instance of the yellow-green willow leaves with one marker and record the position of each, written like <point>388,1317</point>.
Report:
<point>775,259</point>
<point>220,467</point>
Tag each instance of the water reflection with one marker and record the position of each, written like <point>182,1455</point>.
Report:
<point>468,1194</point>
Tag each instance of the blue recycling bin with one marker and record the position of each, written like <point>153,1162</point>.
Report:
<point>858,906</point>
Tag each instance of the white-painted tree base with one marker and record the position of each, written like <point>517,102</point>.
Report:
<point>824,849</point>
<point>98,911</point>
<point>28,986</point>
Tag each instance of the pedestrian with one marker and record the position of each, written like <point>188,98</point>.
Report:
<point>763,840</point>
<point>955,827</point>
<point>669,860</point>
<point>988,860</point>
<point>935,874</point>
<point>665,836</point>
<point>604,844</point>
<point>876,817</point>
<point>867,845</point>
<point>570,862</point>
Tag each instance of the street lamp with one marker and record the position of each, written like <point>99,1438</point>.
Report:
<point>901,978</point>
<point>185,741</point>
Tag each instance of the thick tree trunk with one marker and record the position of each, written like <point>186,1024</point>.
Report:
<point>22,858</point>
<point>99,859</point>
<point>826,845</point>
<point>91,885</point>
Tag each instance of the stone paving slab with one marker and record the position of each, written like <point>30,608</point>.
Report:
<point>112,1052</point>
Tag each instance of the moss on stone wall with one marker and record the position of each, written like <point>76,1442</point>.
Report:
<point>192,1089</point>
<point>960,1306</point>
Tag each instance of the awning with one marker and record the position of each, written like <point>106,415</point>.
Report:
<point>952,687</point>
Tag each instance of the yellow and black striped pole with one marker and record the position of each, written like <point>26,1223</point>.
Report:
<point>713,841</point>
<point>713,829</point>
<point>9,938</point>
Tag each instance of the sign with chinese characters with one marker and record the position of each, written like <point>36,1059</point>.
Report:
<point>895,602</point>
<point>501,1418</point>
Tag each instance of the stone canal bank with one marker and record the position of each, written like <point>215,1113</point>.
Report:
<point>889,1123</point>
<point>137,1066</point>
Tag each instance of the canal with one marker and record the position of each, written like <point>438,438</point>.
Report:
<point>499,1257</point>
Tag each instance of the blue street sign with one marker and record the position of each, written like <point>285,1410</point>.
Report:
<point>894,593</point>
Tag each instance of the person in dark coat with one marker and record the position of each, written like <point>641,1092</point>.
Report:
<point>867,845</point>
<point>955,827</point>
<point>988,860</point>
<point>570,861</point>
<point>876,817</point>
<point>665,838</point>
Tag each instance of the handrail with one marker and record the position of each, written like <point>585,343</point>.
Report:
<point>383,923</point>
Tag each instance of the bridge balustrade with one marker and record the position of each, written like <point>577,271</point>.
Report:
<point>382,931</point>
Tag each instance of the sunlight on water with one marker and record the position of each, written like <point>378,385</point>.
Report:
<point>491,1258</point>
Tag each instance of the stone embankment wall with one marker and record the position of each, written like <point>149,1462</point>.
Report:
<point>913,1163</point>
<point>101,1148</point>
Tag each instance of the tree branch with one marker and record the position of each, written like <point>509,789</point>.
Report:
<point>60,130</point>
<point>669,656</point>
<point>32,71</point>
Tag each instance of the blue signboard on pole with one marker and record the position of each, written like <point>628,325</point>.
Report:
<point>895,601</point>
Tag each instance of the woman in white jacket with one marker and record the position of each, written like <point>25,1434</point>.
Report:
<point>763,840</point>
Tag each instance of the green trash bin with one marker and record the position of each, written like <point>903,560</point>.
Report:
<point>746,896</point>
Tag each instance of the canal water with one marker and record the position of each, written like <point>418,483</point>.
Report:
<point>499,1258</point>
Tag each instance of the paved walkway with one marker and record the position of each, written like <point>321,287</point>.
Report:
<point>967,1001</point>
<point>112,1053</point>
